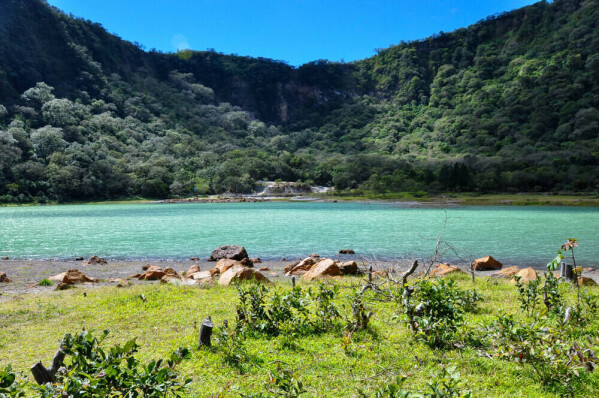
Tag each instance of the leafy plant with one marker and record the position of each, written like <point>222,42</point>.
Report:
<point>282,383</point>
<point>10,385</point>
<point>360,316</point>
<point>45,282</point>
<point>529,294</point>
<point>94,371</point>
<point>230,343</point>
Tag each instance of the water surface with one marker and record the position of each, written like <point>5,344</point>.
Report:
<point>512,234</point>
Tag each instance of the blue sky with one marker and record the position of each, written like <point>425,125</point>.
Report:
<point>295,31</point>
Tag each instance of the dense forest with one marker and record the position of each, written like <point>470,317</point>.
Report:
<point>509,104</point>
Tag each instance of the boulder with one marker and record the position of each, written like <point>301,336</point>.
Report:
<point>72,277</point>
<point>170,271</point>
<point>323,268</point>
<point>4,278</point>
<point>246,262</point>
<point>264,269</point>
<point>346,251</point>
<point>95,260</point>
<point>232,252</point>
<point>195,259</point>
<point>122,282</point>
<point>589,269</point>
<point>486,264</point>
<point>255,260</point>
<point>301,267</point>
<point>349,268</point>
<point>239,273</point>
<point>63,286</point>
<point>445,269</point>
<point>5,258</point>
<point>153,273</point>
<point>79,259</point>
<point>224,264</point>
<point>200,275</point>
<point>170,278</point>
<point>586,281</point>
<point>192,270</point>
<point>508,272</point>
<point>526,275</point>
<point>314,255</point>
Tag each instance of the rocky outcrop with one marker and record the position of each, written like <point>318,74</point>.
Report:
<point>526,275</point>
<point>192,270</point>
<point>4,278</point>
<point>508,272</point>
<point>224,264</point>
<point>232,252</point>
<point>153,273</point>
<point>445,269</point>
<point>95,260</point>
<point>256,260</point>
<point>239,273</point>
<point>300,267</point>
<point>486,264</point>
<point>323,268</point>
<point>71,277</point>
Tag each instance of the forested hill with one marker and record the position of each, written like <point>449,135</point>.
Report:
<point>508,104</point>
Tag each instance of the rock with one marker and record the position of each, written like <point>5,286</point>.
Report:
<point>589,269</point>
<point>256,260</point>
<point>170,271</point>
<point>153,273</point>
<point>232,252</point>
<point>314,255</point>
<point>170,278</point>
<point>585,281</point>
<point>246,262</point>
<point>508,272</point>
<point>72,277</point>
<point>122,282</point>
<point>346,251</point>
<point>224,264</point>
<point>301,267</point>
<point>526,275</point>
<point>4,278</point>
<point>195,259</point>
<point>238,273</point>
<point>145,267</point>
<point>200,275</point>
<point>283,259</point>
<point>5,258</point>
<point>79,259</point>
<point>135,276</point>
<point>95,260</point>
<point>325,267</point>
<point>349,268</point>
<point>264,269</point>
<point>486,264</point>
<point>445,269</point>
<point>63,286</point>
<point>192,270</point>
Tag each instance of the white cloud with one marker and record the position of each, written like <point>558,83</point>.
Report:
<point>180,42</point>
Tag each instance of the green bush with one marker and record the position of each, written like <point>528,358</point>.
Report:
<point>95,372</point>
<point>45,282</point>
<point>10,386</point>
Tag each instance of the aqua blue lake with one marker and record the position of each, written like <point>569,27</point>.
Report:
<point>512,234</point>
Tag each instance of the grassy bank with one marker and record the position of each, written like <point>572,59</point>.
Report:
<point>328,364</point>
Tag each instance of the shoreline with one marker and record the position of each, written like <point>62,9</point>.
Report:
<point>403,198</point>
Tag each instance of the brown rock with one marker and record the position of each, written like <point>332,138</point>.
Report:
<point>325,267</point>
<point>238,273</point>
<point>589,269</point>
<point>445,269</point>
<point>349,268</point>
<point>200,275</point>
<point>232,252</point>
<point>346,251</point>
<point>256,260</point>
<point>526,275</point>
<point>72,277</point>
<point>95,260</point>
<point>122,282</point>
<point>79,259</point>
<point>585,281</point>
<point>4,278</point>
<point>153,273</point>
<point>224,264</point>
<point>170,271</point>
<point>214,271</point>
<point>264,269</point>
<point>301,267</point>
<point>193,269</point>
<point>314,255</point>
<point>508,272</point>
<point>5,258</point>
<point>145,267</point>
<point>170,278</point>
<point>246,262</point>
<point>195,259</point>
<point>135,276</point>
<point>486,264</point>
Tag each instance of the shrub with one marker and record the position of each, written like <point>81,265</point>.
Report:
<point>10,386</point>
<point>93,371</point>
<point>229,342</point>
<point>45,282</point>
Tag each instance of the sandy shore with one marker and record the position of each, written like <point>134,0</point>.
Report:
<point>25,274</point>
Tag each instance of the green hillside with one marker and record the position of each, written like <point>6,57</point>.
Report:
<point>509,104</point>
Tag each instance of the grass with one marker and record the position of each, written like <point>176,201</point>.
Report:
<point>31,327</point>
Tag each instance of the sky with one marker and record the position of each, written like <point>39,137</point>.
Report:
<point>294,31</point>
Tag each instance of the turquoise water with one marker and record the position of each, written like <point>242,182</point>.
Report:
<point>514,235</point>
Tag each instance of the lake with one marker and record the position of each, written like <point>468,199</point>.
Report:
<point>271,230</point>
